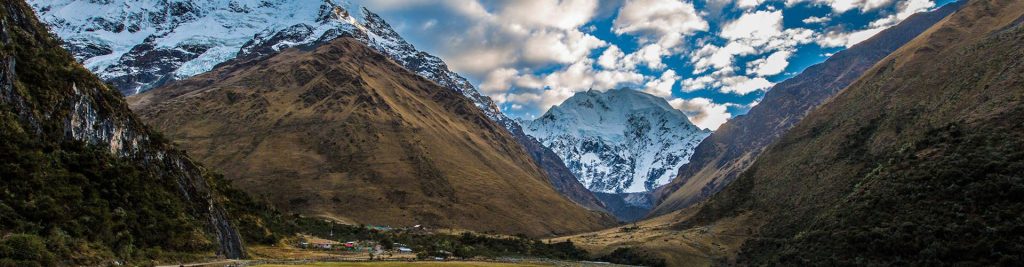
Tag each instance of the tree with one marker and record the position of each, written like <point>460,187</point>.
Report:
<point>464,252</point>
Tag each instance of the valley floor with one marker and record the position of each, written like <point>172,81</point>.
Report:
<point>283,255</point>
<point>418,264</point>
<point>661,238</point>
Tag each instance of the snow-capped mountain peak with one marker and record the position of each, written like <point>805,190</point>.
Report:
<point>620,140</point>
<point>141,44</point>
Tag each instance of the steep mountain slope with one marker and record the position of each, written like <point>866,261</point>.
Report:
<point>84,181</point>
<point>139,45</point>
<point>388,42</point>
<point>919,162</point>
<point>730,150</point>
<point>618,141</point>
<point>342,131</point>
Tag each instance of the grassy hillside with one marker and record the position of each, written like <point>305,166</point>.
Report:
<point>919,162</point>
<point>731,149</point>
<point>341,131</point>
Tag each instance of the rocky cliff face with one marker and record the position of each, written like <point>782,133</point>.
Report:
<point>618,141</point>
<point>140,45</point>
<point>730,150</point>
<point>54,106</point>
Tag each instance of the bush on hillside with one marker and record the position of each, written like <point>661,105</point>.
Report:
<point>632,256</point>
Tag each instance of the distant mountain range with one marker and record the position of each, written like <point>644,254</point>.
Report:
<point>140,45</point>
<point>618,141</point>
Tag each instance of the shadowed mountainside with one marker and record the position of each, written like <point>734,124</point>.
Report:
<point>730,150</point>
<point>916,163</point>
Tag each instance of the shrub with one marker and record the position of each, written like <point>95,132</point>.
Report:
<point>25,250</point>
<point>632,256</point>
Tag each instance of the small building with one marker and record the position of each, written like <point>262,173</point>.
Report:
<point>312,242</point>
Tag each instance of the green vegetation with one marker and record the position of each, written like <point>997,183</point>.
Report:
<point>259,223</point>
<point>24,250</point>
<point>87,205</point>
<point>632,256</point>
<point>403,264</point>
<point>954,197</point>
<point>269,227</point>
<point>919,163</point>
<point>65,202</point>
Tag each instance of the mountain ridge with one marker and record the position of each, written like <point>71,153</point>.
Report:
<point>357,136</point>
<point>876,174</point>
<point>727,152</point>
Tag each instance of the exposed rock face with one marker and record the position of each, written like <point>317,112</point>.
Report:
<point>136,46</point>
<point>341,130</point>
<point>730,150</point>
<point>78,107</point>
<point>618,141</point>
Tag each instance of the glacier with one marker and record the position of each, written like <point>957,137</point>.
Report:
<point>618,141</point>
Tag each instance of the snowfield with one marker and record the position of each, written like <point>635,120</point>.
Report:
<point>619,141</point>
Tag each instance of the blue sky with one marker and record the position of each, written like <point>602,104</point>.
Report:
<point>711,59</point>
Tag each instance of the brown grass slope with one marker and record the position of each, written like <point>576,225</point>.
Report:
<point>918,162</point>
<point>731,149</point>
<point>659,238</point>
<point>341,131</point>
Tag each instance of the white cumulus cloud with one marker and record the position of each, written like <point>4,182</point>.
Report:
<point>756,28</point>
<point>773,64</point>
<point>816,20</point>
<point>712,56</point>
<point>559,46</point>
<point>702,112</point>
<point>663,85</point>
<point>498,80</point>
<point>841,6</point>
<point>562,14</point>
<point>744,85</point>
<point>663,21</point>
